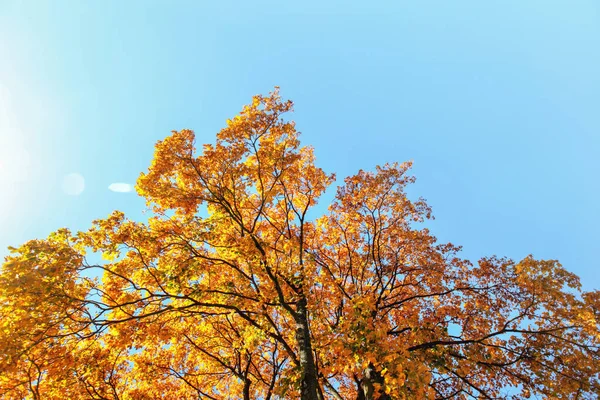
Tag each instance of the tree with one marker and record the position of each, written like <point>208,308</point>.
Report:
<point>230,290</point>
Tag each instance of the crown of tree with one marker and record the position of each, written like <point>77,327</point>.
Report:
<point>231,290</point>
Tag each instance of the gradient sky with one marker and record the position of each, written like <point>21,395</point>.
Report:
<point>496,102</point>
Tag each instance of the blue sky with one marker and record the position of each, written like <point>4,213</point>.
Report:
<point>497,104</point>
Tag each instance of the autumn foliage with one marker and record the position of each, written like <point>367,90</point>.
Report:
<point>233,290</point>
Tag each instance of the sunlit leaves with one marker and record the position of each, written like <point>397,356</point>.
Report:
<point>230,290</point>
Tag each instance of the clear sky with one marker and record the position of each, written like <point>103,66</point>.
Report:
<point>497,103</point>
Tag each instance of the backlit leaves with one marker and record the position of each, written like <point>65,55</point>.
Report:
<point>229,290</point>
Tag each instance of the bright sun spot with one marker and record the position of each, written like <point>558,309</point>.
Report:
<point>16,167</point>
<point>15,163</point>
<point>15,160</point>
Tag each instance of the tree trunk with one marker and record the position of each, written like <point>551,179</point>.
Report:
<point>309,382</point>
<point>247,384</point>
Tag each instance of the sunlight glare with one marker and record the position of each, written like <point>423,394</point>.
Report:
<point>15,159</point>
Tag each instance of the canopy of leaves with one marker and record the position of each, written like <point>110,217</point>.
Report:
<point>230,291</point>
